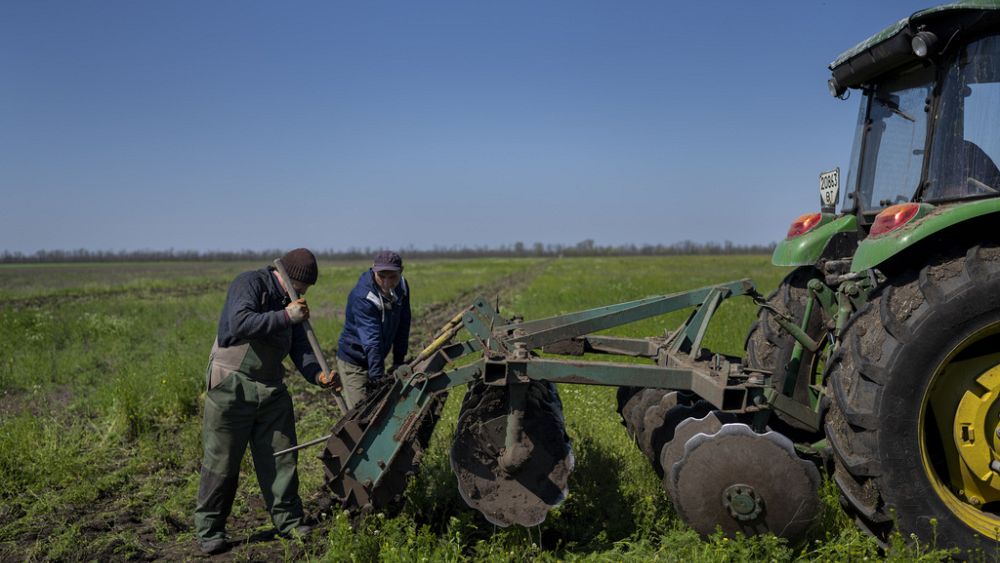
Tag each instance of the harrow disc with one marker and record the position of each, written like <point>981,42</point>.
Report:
<point>386,494</point>
<point>653,418</point>
<point>745,482</point>
<point>635,410</point>
<point>622,397</point>
<point>659,429</point>
<point>506,496</point>
<point>688,428</point>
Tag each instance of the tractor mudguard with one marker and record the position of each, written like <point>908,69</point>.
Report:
<point>806,249</point>
<point>873,251</point>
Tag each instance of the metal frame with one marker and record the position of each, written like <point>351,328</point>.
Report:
<point>506,359</point>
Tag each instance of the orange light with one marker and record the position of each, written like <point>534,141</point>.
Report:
<point>804,224</point>
<point>894,217</point>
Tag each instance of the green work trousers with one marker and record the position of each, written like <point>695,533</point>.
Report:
<point>240,411</point>
<point>354,379</point>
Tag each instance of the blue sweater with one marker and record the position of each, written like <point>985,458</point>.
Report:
<point>374,324</point>
<point>255,310</point>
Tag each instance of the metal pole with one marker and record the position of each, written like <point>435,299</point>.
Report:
<point>310,335</point>
<point>305,445</point>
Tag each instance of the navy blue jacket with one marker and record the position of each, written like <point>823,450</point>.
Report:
<point>255,310</point>
<point>374,324</point>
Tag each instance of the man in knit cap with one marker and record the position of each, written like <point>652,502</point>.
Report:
<point>376,321</point>
<point>247,401</point>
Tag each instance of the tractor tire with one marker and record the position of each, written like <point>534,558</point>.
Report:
<point>915,387</point>
<point>768,347</point>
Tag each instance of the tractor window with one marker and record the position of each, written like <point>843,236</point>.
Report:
<point>895,138</point>
<point>966,144</point>
<point>852,171</point>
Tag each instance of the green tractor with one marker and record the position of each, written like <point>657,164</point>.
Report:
<point>878,355</point>
<point>900,292</point>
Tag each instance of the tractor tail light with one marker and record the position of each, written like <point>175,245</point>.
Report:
<point>894,217</point>
<point>804,224</point>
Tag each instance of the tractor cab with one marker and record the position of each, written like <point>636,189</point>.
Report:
<point>928,132</point>
<point>929,125</point>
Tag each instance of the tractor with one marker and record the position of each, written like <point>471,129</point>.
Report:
<point>877,358</point>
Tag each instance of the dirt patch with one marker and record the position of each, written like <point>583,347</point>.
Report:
<point>52,402</point>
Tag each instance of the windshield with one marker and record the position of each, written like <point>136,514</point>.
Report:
<point>895,137</point>
<point>966,143</point>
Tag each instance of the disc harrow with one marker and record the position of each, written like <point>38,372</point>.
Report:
<point>516,485</point>
<point>745,482</point>
<point>385,494</point>
<point>689,428</point>
<point>511,454</point>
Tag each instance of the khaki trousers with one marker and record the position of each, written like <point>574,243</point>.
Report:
<point>355,381</point>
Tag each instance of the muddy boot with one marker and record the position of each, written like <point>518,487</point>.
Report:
<point>214,546</point>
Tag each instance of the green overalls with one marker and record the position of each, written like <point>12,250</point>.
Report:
<point>247,402</point>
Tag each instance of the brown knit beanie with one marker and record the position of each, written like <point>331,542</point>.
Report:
<point>301,265</point>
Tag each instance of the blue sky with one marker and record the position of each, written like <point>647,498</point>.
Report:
<point>231,125</point>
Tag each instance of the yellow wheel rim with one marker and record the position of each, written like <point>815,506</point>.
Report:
<point>959,439</point>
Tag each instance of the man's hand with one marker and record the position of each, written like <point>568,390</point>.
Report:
<point>297,311</point>
<point>329,380</point>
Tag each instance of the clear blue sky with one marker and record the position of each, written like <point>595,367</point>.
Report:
<point>227,125</point>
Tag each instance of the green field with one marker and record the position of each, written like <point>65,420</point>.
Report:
<point>101,377</point>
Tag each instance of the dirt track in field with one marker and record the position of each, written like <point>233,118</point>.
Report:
<point>263,546</point>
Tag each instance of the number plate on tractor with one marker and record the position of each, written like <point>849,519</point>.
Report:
<point>829,188</point>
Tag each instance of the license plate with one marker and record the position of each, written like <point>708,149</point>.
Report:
<point>829,188</point>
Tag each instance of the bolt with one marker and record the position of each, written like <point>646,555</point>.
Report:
<point>520,350</point>
<point>742,502</point>
<point>975,501</point>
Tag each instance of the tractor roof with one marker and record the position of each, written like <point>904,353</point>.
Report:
<point>890,47</point>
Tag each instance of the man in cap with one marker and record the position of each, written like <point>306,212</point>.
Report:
<point>377,320</point>
<point>247,401</point>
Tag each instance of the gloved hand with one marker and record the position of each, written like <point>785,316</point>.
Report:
<point>297,311</point>
<point>329,380</point>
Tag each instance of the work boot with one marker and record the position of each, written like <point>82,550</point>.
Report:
<point>213,546</point>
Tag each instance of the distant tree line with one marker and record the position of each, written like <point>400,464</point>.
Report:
<point>518,249</point>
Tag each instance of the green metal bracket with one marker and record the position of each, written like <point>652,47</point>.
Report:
<point>689,336</point>
<point>481,321</point>
<point>802,413</point>
<point>635,347</point>
<point>547,331</point>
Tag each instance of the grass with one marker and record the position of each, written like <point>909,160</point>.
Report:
<point>102,373</point>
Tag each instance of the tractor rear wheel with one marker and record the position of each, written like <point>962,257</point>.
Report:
<point>769,347</point>
<point>915,417</point>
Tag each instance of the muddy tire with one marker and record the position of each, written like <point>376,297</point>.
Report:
<point>768,347</point>
<point>914,389</point>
